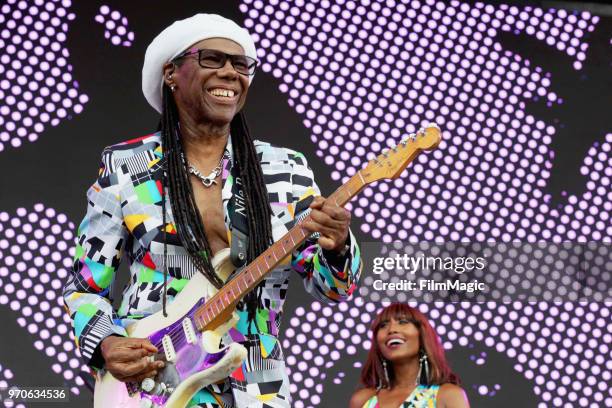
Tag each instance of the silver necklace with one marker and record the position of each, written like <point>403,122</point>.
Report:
<point>209,180</point>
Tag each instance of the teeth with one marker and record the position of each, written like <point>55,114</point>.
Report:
<point>395,341</point>
<point>222,92</point>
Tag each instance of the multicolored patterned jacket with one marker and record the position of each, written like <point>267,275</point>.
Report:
<point>124,221</point>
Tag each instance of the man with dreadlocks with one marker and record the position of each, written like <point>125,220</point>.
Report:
<point>173,199</point>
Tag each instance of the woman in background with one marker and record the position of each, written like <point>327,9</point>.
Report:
<point>406,366</point>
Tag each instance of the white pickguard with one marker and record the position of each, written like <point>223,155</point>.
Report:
<point>112,393</point>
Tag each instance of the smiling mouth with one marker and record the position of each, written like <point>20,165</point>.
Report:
<point>394,343</point>
<point>224,94</point>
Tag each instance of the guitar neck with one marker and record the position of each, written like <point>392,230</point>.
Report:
<point>247,279</point>
<point>387,165</point>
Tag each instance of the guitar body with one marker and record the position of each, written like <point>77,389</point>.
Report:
<point>193,359</point>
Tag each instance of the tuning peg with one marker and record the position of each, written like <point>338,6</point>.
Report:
<point>412,136</point>
<point>385,153</point>
<point>433,125</point>
<point>421,132</point>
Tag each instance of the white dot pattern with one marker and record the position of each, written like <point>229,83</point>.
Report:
<point>6,377</point>
<point>516,271</point>
<point>36,248</point>
<point>363,74</point>
<point>358,72</point>
<point>115,26</point>
<point>37,87</point>
<point>563,348</point>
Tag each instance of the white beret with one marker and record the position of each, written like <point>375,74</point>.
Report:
<point>177,38</point>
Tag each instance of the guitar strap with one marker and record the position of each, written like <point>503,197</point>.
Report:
<point>239,228</point>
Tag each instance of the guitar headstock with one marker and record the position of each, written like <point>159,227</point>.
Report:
<point>391,163</point>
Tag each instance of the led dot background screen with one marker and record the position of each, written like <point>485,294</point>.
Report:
<point>521,91</point>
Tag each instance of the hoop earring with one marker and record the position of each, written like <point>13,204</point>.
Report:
<point>386,370</point>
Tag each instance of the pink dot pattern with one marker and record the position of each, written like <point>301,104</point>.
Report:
<point>36,248</point>
<point>6,377</point>
<point>115,26</point>
<point>562,348</point>
<point>361,74</point>
<point>364,74</point>
<point>37,87</point>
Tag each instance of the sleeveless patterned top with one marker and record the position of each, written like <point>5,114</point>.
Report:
<point>423,396</point>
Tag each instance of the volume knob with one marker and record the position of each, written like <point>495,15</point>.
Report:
<point>147,385</point>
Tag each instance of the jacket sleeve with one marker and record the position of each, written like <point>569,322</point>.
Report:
<point>327,276</point>
<point>101,237</point>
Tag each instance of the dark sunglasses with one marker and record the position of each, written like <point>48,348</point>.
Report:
<point>216,59</point>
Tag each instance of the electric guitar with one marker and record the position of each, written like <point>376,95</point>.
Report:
<point>190,334</point>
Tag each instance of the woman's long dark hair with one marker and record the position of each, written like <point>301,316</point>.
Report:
<point>372,374</point>
<point>189,226</point>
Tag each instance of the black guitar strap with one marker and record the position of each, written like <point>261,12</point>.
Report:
<point>239,228</point>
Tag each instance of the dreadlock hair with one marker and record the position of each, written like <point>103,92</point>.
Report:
<point>189,226</point>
